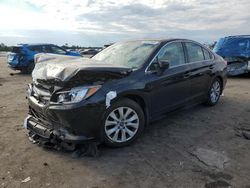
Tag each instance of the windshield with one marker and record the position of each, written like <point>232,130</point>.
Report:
<point>234,46</point>
<point>127,54</point>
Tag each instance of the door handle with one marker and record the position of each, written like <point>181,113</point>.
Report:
<point>186,74</point>
<point>211,66</point>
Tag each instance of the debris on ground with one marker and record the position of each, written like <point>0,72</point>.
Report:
<point>210,158</point>
<point>220,175</point>
<point>217,184</point>
<point>243,132</point>
<point>89,149</point>
<point>246,134</point>
<point>26,180</point>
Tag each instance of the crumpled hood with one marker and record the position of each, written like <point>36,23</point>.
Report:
<point>51,68</point>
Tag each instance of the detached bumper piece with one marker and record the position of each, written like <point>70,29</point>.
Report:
<point>60,139</point>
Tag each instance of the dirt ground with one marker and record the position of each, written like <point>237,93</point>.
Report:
<point>195,147</point>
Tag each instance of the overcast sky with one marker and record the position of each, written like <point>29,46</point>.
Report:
<point>97,22</point>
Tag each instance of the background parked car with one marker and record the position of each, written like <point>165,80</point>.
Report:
<point>89,52</point>
<point>236,51</point>
<point>22,56</point>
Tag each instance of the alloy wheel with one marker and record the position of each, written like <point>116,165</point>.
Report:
<point>215,92</point>
<point>121,124</point>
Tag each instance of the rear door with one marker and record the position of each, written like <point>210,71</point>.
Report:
<point>171,89</point>
<point>200,69</point>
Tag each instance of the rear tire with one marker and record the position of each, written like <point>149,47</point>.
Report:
<point>123,123</point>
<point>214,92</point>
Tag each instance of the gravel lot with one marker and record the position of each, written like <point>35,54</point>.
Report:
<point>195,147</point>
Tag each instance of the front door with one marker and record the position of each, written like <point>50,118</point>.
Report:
<point>172,88</point>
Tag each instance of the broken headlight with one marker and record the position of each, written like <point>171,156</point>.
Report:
<point>76,94</point>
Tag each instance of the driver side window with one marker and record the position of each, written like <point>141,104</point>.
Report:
<point>173,53</point>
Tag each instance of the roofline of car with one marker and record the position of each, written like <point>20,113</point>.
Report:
<point>35,44</point>
<point>164,43</point>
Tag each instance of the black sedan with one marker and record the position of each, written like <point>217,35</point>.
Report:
<point>111,97</point>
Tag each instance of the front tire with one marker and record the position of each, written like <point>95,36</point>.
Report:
<point>123,123</point>
<point>214,92</point>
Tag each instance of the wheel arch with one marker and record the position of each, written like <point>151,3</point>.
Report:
<point>142,103</point>
<point>221,81</point>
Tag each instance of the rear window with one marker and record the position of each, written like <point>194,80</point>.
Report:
<point>206,54</point>
<point>16,49</point>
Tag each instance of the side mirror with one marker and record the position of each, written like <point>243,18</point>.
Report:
<point>162,66</point>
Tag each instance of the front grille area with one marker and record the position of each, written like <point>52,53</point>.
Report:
<point>40,117</point>
<point>37,114</point>
<point>41,94</point>
<point>48,118</point>
<point>40,111</point>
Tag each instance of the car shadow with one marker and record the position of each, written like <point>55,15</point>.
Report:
<point>19,74</point>
<point>242,76</point>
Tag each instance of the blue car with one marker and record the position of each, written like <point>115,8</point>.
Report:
<point>236,51</point>
<point>22,56</point>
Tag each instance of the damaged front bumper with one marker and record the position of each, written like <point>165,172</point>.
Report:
<point>71,124</point>
<point>238,68</point>
<point>37,129</point>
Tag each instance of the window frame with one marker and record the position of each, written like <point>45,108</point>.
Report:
<point>183,41</point>
<point>188,61</point>
<point>211,55</point>
<point>147,71</point>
